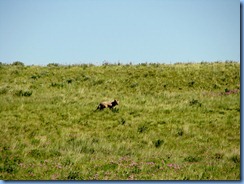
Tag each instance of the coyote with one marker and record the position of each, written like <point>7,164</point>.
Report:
<point>110,105</point>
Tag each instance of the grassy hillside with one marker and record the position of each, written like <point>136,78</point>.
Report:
<point>174,122</point>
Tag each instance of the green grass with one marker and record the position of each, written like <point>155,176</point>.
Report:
<point>174,122</point>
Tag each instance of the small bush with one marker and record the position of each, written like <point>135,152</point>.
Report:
<point>133,85</point>
<point>18,63</point>
<point>106,63</point>
<point>195,102</point>
<point>158,143</point>
<point>69,81</point>
<point>122,121</point>
<point>192,159</point>
<point>142,128</point>
<point>84,66</point>
<point>9,166</point>
<point>110,166</point>
<point>235,159</point>
<point>73,175</point>
<point>143,64</point>
<point>23,93</point>
<point>58,85</point>
<point>180,132</point>
<point>37,153</point>
<point>53,65</point>
<point>3,90</point>
<point>191,84</point>
<point>35,77</point>
<point>218,156</point>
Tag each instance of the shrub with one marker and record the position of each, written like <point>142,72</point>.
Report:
<point>218,156</point>
<point>110,166</point>
<point>3,90</point>
<point>143,64</point>
<point>37,153</point>
<point>192,159</point>
<point>235,159</point>
<point>106,63</point>
<point>53,65</point>
<point>122,121</point>
<point>35,76</point>
<point>133,85</point>
<point>195,102</point>
<point>190,84</point>
<point>69,81</point>
<point>23,93</point>
<point>73,175</point>
<point>142,128</point>
<point>58,85</point>
<point>180,132</point>
<point>9,166</point>
<point>18,63</point>
<point>158,143</point>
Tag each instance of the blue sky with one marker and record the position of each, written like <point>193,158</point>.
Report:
<point>92,31</point>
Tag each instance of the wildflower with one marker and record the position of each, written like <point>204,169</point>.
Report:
<point>170,165</point>
<point>133,164</point>
<point>150,163</point>
<point>123,159</point>
<point>174,166</point>
<point>112,162</point>
<point>131,177</point>
<point>59,166</point>
<point>95,177</point>
<point>54,176</point>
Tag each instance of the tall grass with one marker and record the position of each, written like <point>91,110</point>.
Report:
<point>174,122</point>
